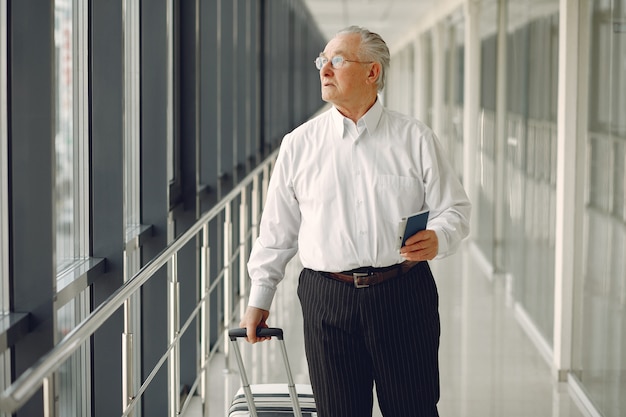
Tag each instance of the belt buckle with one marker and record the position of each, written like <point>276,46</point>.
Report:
<point>356,276</point>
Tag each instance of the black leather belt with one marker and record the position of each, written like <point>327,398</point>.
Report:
<point>366,276</point>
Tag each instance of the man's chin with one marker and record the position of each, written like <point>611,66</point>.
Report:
<point>327,97</point>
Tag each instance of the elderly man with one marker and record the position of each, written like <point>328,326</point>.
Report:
<point>341,184</point>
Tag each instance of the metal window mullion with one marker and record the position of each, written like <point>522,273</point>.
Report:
<point>82,137</point>
<point>131,345</point>
<point>135,100</point>
<point>234,134</point>
<point>247,83</point>
<point>83,368</point>
<point>218,88</point>
<point>77,123</point>
<point>4,163</point>
<point>170,90</point>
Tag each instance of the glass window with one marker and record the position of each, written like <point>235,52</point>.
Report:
<point>454,91</point>
<point>73,376</point>
<point>530,163</point>
<point>72,190</point>
<point>71,139</point>
<point>485,178</point>
<point>132,162</point>
<point>599,350</point>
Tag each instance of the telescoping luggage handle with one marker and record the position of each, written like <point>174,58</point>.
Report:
<point>264,332</point>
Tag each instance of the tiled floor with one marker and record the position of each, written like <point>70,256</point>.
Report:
<point>489,367</point>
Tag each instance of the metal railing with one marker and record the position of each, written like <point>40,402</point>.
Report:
<point>250,194</point>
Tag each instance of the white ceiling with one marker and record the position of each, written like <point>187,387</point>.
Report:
<point>391,19</point>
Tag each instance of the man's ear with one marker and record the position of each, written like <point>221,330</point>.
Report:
<point>374,73</point>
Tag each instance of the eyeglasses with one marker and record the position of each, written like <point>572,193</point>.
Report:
<point>336,62</point>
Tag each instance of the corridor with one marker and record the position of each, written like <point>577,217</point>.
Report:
<point>489,367</point>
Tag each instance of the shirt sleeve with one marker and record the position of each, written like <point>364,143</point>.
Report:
<point>449,205</point>
<point>278,234</point>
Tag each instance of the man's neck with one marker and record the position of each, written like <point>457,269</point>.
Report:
<point>354,113</point>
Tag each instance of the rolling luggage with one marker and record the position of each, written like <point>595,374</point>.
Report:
<point>269,400</point>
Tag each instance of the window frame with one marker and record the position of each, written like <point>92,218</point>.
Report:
<point>4,165</point>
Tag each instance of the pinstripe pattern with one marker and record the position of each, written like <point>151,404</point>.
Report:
<point>387,333</point>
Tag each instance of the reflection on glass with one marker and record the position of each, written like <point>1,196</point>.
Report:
<point>600,330</point>
<point>64,138</point>
<point>73,377</point>
<point>530,158</point>
<point>485,173</point>
<point>454,93</point>
<point>72,383</point>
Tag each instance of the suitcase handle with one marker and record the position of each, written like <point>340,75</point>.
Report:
<point>260,332</point>
<point>234,334</point>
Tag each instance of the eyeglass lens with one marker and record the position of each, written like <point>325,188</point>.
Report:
<point>336,62</point>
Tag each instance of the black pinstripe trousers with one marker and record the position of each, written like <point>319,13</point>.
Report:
<point>387,334</point>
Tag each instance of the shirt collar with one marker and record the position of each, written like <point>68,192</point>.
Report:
<point>371,118</point>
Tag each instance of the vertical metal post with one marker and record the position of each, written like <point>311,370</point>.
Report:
<point>227,278</point>
<point>420,64</point>
<point>127,336</point>
<point>266,183</point>
<point>127,358</point>
<point>49,404</point>
<point>572,124</point>
<point>127,373</point>
<point>173,309</point>
<point>256,212</point>
<point>205,334</point>
<point>243,249</point>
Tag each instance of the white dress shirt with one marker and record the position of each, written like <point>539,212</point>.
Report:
<point>338,191</point>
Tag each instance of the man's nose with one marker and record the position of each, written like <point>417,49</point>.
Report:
<point>326,68</point>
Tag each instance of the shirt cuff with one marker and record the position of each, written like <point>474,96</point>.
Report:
<point>261,297</point>
<point>442,242</point>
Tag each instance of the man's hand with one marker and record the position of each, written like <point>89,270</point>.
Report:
<point>253,318</point>
<point>422,246</point>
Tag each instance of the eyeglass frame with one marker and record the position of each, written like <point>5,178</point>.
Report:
<point>323,60</point>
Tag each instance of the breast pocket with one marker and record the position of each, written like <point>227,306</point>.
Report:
<point>399,196</point>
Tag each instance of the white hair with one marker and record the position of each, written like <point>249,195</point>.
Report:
<point>373,48</point>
